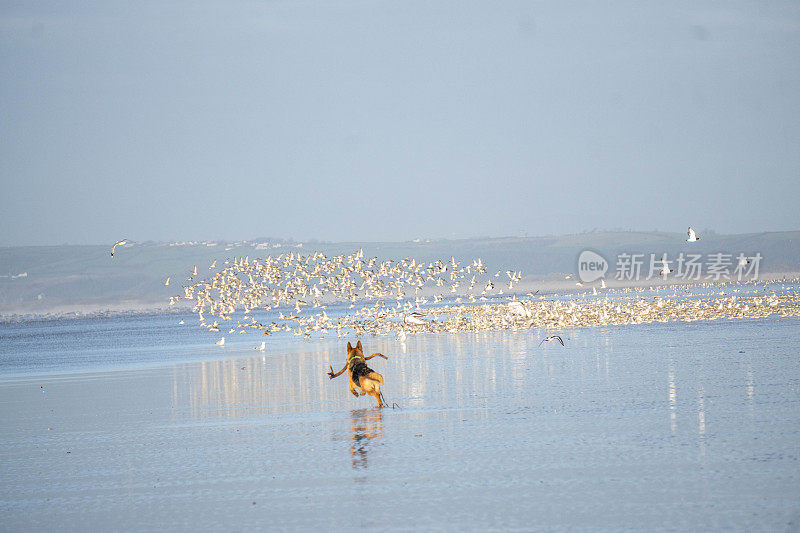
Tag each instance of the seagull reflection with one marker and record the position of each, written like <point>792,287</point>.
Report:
<point>701,423</point>
<point>366,425</point>
<point>673,399</point>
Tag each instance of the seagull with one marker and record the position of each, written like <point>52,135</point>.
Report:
<point>180,323</point>
<point>167,282</point>
<point>518,308</point>
<point>221,342</point>
<point>123,241</point>
<point>692,236</point>
<point>552,338</point>
<point>262,347</point>
<point>414,318</point>
<point>665,270</point>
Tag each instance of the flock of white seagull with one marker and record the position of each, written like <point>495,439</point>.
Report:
<point>367,296</point>
<point>299,289</point>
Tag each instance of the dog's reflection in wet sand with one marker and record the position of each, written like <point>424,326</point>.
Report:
<point>366,426</point>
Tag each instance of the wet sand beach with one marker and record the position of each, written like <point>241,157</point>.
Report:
<point>631,427</point>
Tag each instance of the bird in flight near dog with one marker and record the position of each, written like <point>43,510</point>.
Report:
<point>123,241</point>
<point>691,235</point>
<point>665,270</point>
<point>552,338</point>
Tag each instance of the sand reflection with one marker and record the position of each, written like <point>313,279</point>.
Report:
<point>701,423</point>
<point>673,398</point>
<point>236,387</point>
<point>366,427</point>
<point>219,388</point>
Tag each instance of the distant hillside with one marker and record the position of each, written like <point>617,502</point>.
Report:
<point>42,279</point>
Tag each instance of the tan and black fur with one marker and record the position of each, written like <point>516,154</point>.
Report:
<point>361,376</point>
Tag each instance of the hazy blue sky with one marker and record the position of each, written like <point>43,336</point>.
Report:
<point>394,120</point>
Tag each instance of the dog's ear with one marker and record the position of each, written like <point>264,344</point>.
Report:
<point>349,347</point>
<point>359,345</point>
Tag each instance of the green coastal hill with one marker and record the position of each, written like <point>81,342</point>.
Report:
<point>43,279</point>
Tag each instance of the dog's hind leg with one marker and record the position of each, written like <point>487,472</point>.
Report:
<point>377,395</point>
<point>383,399</point>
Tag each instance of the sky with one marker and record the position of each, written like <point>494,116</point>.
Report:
<point>384,121</point>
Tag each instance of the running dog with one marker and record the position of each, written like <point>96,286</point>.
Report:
<point>361,376</point>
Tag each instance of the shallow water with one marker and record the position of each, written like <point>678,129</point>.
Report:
<point>645,427</point>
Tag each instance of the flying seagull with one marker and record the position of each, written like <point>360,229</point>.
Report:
<point>123,241</point>
<point>552,338</point>
<point>692,236</point>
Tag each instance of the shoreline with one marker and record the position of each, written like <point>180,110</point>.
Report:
<point>292,347</point>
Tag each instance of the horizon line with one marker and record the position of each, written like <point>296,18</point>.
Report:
<point>418,240</point>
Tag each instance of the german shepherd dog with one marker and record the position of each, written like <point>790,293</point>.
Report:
<point>361,375</point>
